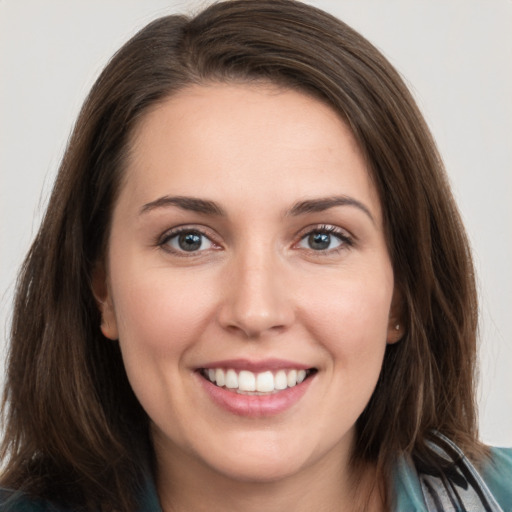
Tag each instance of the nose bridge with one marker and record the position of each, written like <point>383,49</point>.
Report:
<point>257,300</point>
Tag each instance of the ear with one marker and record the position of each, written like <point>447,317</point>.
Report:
<point>396,327</point>
<point>103,296</point>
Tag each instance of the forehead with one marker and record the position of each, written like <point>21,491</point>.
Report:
<point>219,140</point>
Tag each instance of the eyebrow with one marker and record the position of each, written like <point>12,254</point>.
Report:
<point>185,203</point>
<point>325,203</point>
<point>207,207</point>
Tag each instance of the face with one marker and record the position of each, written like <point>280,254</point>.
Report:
<point>248,281</point>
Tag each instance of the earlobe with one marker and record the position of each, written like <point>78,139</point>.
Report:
<point>396,327</point>
<point>103,296</point>
<point>108,327</point>
<point>395,332</point>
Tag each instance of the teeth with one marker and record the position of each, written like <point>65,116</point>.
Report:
<point>246,381</point>
<point>219,377</point>
<point>231,379</point>
<point>265,382</point>
<point>292,378</point>
<point>280,380</point>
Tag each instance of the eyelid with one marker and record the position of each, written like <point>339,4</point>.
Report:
<point>163,238</point>
<point>342,234</point>
<point>345,236</point>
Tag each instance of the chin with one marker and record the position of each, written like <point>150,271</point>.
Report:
<point>261,470</point>
<point>264,459</point>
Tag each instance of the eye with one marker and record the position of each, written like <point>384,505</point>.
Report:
<point>187,241</point>
<point>325,238</point>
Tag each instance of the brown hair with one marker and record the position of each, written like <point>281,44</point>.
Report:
<point>74,430</point>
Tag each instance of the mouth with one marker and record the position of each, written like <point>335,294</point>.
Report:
<point>261,383</point>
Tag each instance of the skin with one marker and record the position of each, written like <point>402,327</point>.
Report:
<point>255,290</point>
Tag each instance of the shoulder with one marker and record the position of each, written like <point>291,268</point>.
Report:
<point>497,474</point>
<point>408,496</point>
<point>15,501</point>
<point>494,477</point>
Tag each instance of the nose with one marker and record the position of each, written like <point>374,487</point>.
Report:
<point>256,298</point>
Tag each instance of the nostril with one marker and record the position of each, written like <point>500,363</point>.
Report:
<point>254,328</point>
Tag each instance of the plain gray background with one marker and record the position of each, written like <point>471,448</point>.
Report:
<point>455,55</point>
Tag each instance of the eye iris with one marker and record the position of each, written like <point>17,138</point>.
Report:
<point>189,241</point>
<point>319,241</point>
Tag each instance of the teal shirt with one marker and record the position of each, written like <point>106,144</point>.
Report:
<point>497,474</point>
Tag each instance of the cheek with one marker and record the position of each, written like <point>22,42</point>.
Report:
<point>351,315</point>
<point>348,317</point>
<point>160,313</point>
<point>160,318</point>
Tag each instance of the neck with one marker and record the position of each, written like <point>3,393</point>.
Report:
<point>186,485</point>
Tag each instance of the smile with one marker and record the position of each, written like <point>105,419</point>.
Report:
<point>251,383</point>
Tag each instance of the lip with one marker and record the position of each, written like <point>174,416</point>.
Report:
<point>255,406</point>
<point>257,366</point>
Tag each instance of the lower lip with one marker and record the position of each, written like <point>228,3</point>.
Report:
<point>254,406</point>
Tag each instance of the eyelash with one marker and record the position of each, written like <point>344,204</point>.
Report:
<point>164,240</point>
<point>346,241</point>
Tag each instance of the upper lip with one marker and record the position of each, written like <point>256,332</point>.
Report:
<point>257,366</point>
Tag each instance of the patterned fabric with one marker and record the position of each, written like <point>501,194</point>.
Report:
<point>459,487</point>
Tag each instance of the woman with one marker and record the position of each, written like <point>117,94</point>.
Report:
<point>251,290</point>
